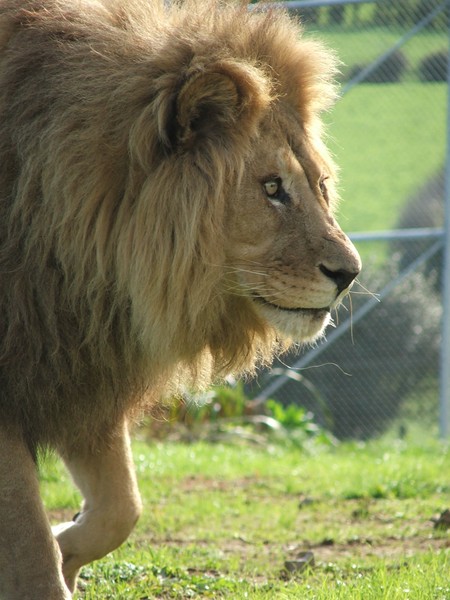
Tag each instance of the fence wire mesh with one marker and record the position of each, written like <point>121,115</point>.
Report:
<point>388,134</point>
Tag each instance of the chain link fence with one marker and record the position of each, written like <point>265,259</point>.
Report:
<point>379,368</point>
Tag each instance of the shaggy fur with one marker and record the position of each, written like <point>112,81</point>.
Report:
<point>111,235</point>
<point>127,130</point>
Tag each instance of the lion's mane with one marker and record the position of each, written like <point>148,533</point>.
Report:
<point>111,236</point>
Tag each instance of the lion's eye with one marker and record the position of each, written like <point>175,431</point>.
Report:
<point>272,187</point>
<point>275,192</point>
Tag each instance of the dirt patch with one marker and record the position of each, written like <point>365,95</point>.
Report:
<point>327,551</point>
<point>387,548</point>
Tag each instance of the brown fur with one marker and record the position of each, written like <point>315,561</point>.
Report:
<point>130,135</point>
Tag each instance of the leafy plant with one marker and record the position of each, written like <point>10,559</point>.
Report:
<point>227,413</point>
<point>292,416</point>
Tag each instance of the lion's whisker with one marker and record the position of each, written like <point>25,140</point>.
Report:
<point>245,290</point>
<point>248,271</point>
<point>350,302</point>
<point>336,314</point>
<point>365,291</point>
<point>251,262</point>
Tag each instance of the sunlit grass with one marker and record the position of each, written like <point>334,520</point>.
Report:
<point>388,139</point>
<point>221,520</point>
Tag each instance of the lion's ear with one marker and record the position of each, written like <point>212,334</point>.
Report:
<point>215,101</point>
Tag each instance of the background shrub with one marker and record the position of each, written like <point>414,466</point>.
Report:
<point>425,208</point>
<point>407,13</point>
<point>434,67</point>
<point>391,70</point>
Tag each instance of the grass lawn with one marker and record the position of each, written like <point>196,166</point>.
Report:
<point>224,521</point>
<point>360,45</point>
<point>388,139</point>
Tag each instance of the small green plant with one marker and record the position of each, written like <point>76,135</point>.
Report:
<point>292,416</point>
<point>226,413</point>
<point>298,425</point>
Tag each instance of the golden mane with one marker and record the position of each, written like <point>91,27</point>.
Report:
<point>111,257</point>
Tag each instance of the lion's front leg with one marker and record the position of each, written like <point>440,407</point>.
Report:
<point>30,561</point>
<point>111,505</point>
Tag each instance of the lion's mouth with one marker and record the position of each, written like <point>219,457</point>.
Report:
<point>299,309</point>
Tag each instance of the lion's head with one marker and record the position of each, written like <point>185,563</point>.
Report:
<point>239,119</point>
<point>285,251</point>
<point>166,186</point>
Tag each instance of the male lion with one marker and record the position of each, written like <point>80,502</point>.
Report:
<point>165,218</point>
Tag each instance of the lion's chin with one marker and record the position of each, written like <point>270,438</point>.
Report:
<point>300,325</point>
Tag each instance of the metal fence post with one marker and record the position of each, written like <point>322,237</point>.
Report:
<point>444,404</point>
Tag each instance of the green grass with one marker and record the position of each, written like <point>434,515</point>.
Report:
<point>220,521</point>
<point>363,45</point>
<point>387,139</point>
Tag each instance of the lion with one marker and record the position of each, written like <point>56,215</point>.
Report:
<point>166,219</point>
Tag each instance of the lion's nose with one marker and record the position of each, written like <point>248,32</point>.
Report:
<point>341,277</point>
